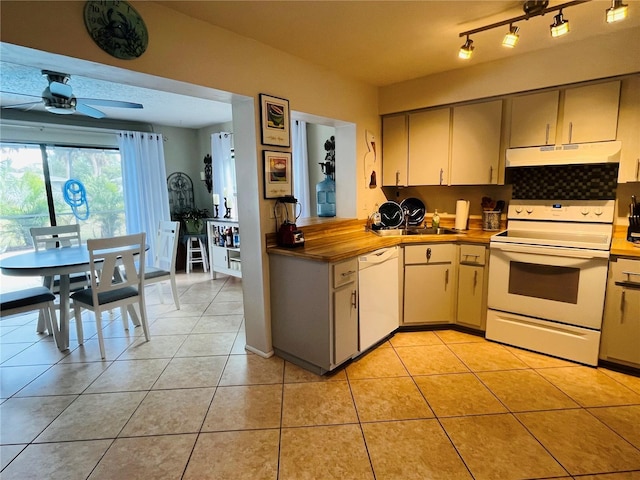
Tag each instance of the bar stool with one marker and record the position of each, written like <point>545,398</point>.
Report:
<point>195,245</point>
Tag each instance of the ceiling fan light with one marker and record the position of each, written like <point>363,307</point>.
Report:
<point>466,50</point>
<point>618,11</point>
<point>560,26</point>
<point>511,38</point>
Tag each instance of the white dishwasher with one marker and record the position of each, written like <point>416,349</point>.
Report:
<point>379,292</point>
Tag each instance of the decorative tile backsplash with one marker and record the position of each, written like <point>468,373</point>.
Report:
<point>564,182</point>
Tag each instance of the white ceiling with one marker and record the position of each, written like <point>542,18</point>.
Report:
<point>377,42</point>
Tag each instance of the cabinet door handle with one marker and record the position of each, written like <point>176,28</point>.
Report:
<point>491,174</point>
<point>348,274</point>
<point>638,169</point>
<point>441,175</point>
<point>446,278</point>
<point>475,280</point>
<point>637,274</point>
<point>570,131</point>
<point>354,298</point>
<point>546,136</point>
<point>428,254</point>
<point>397,177</point>
<point>622,302</point>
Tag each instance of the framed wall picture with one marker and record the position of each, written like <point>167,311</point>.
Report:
<point>277,174</point>
<point>274,121</point>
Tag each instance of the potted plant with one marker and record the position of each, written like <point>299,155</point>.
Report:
<point>193,219</point>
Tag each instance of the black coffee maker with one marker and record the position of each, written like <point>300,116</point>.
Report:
<point>288,233</point>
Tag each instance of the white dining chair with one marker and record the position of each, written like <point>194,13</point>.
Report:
<point>30,299</point>
<point>119,282</point>
<point>164,262</point>
<point>60,236</point>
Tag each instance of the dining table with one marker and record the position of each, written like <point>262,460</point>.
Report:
<point>48,263</point>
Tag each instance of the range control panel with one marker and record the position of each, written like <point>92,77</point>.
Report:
<point>592,211</point>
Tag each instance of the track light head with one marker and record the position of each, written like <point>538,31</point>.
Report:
<point>511,38</point>
<point>560,26</point>
<point>466,50</point>
<point>618,11</point>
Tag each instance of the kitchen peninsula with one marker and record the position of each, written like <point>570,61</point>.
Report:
<point>314,315</point>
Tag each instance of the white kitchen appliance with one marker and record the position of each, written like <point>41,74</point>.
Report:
<point>379,296</point>
<point>547,277</point>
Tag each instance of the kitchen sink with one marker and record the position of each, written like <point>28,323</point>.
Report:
<point>391,232</point>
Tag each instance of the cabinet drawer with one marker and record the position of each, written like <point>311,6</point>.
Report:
<point>429,253</point>
<point>472,254</point>
<point>345,272</point>
<point>626,271</point>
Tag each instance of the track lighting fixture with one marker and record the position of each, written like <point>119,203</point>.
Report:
<point>511,38</point>
<point>617,11</point>
<point>535,8</point>
<point>560,26</point>
<point>466,50</point>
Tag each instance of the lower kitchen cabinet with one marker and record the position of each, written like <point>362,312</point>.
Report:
<point>314,311</point>
<point>429,283</point>
<point>620,341</point>
<point>471,308</point>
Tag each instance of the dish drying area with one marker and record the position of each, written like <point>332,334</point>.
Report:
<point>409,217</point>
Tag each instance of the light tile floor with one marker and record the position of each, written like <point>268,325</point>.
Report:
<point>193,404</point>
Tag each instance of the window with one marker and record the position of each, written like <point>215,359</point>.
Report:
<point>32,177</point>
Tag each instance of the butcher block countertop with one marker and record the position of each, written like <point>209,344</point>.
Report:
<point>340,239</point>
<point>620,246</point>
<point>334,240</point>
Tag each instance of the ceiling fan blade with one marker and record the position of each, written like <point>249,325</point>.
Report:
<point>30,105</point>
<point>90,111</point>
<point>109,103</point>
<point>60,89</point>
<point>4,92</point>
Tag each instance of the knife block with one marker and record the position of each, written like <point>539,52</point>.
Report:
<point>633,233</point>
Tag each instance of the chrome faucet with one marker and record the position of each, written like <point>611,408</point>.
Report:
<point>405,212</point>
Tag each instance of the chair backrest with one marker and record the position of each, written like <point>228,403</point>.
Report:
<point>45,238</point>
<point>166,248</point>
<point>125,253</point>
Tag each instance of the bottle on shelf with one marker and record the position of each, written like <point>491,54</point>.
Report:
<point>236,237</point>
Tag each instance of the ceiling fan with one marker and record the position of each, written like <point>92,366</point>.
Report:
<point>58,98</point>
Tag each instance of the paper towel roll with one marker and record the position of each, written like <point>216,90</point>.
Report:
<point>462,214</point>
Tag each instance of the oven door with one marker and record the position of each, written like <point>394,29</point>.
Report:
<point>559,284</point>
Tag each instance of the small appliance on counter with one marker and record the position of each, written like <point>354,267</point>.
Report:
<point>633,232</point>
<point>288,234</point>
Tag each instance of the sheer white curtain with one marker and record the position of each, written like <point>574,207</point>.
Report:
<point>224,171</point>
<point>144,177</point>
<point>301,166</point>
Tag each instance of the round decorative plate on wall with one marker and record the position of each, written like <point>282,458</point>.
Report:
<point>117,28</point>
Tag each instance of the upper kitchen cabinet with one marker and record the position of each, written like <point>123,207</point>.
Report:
<point>394,151</point>
<point>590,113</point>
<point>533,119</point>
<point>429,147</point>
<point>475,146</point>
<point>629,130</point>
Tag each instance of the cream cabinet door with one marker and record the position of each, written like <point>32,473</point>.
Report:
<point>621,325</point>
<point>533,119</point>
<point>428,293</point>
<point>394,151</point>
<point>591,113</point>
<point>345,323</point>
<point>429,147</point>
<point>629,130</point>
<point>475,146</point>
<point>470,292</point>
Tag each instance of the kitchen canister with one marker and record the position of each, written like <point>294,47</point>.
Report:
<point>491,220</point>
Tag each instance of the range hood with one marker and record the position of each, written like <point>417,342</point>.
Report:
<point>571,154</point>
